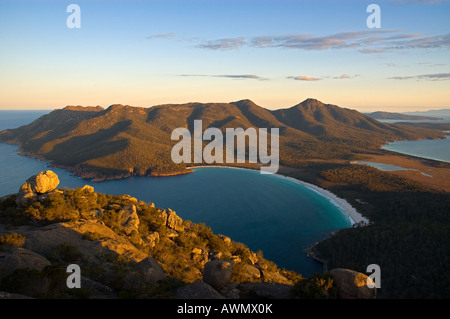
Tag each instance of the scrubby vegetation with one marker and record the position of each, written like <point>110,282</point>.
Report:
<point>317,286</point>
<point>181,250</point>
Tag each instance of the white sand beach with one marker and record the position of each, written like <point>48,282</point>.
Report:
<point>355,217</point>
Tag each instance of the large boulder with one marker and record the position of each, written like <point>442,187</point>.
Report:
<point>352,284</point>
<point>217,273</point>
<point>12,258</point>
<point>42,183</point>
<point>104,240</point>
<point>150,270</point>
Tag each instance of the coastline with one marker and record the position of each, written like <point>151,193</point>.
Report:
<point>354,216</point>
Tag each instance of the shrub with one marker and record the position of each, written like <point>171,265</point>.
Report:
<point>318,286</point>
<point>14,239</point>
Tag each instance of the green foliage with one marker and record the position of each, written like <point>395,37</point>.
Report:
<point>317,286</point>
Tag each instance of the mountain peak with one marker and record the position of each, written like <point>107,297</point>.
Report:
<point>310,102</point>
<point>246,102</point>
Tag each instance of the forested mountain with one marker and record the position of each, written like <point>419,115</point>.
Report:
<point>122,140</point>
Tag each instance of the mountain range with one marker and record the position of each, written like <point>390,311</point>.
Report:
<point>123,140</point>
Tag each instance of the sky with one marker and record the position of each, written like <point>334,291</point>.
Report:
<point>276,53</point>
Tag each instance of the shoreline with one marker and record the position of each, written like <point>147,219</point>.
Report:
<point>354,216</point>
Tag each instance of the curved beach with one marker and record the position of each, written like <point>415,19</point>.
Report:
<point>355,217</point>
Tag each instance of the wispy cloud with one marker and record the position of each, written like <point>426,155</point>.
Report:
<point>311,78</point>
<point>430,77</point>
<point>366,41</point>
<point>342,76</point>
<point>230,76</point>
<point>223,44</point>
<point>303,78</point>
<point>169,35</point>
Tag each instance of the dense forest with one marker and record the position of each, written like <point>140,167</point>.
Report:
<point>408,237</point>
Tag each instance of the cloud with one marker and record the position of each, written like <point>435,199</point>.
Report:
<point>303,78</point>
<point>311,78</point>
<point>342,76</point>
<point>430,77</point>
<point>223,44</point>
<point>230,76</point>
<point>366,41</point>
<point>169,35</point>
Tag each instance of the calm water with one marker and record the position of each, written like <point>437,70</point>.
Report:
<point>432,149</point>
<point>382,166</point>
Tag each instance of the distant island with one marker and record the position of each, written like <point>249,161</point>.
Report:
<point>123,141</point>
<point>380,115</point>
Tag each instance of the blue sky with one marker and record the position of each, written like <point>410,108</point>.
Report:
<point>274,52</point>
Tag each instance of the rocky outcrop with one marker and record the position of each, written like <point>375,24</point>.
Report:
<point>173,221</point>
<point>129,219</point>
<point>352,284</point>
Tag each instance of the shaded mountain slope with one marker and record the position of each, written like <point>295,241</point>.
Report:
<point>121,141</point>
